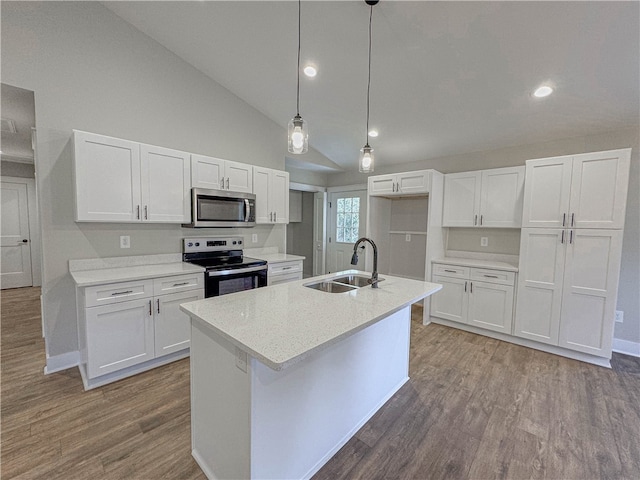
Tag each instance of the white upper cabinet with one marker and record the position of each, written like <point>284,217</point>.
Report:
<point>165,185</point>
<point>121,181</point>
<point>218,174</point>
<point>579,191</point>
<point>271,188</point>
<point>485,198</point>
<point>107,178</point>
<point>398,184</point>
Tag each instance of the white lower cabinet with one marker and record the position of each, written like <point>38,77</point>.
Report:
<point>119,331</point>
<point>481,297</point>
<point>283,272</point>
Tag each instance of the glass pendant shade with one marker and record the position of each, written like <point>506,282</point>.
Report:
<point>298,135</point>
<point>366,159</point>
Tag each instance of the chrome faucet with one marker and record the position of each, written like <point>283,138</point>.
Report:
<point>354,259</point>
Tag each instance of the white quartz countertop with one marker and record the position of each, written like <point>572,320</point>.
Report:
<point>477,263</point>
<point>282,324</point>
<point>277,257</point>
<point>86,278</point>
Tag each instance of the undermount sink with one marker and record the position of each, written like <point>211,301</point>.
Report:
<point>356,280</point>
<point>331,287</point>
<point>345,283</point>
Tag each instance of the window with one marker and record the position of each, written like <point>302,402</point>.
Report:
<point>348,228</point>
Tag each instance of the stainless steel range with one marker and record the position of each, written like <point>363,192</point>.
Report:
<point>227,270</point>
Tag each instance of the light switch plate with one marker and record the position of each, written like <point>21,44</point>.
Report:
<point>619,316</point>
<point>484,241</point>
<point>125,241</point>
<point>407,237</point>
<point>254,238</point>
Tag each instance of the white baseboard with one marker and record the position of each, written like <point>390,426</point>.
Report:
<point>61,362</point>
<point>626,347</point>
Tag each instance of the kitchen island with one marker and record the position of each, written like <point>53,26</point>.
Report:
<point>283,376</point>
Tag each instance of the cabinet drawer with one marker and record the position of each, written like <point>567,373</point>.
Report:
<point>118,292</point>
<point>284,278</point>
<point>285,267</point>
<point>178,283</point>
<point>493,276</point>
<point>450,271</point>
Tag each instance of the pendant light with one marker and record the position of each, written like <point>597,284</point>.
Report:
<point>298,130</point>
<point>366,152</point>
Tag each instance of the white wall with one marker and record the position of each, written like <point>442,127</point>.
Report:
<point>92,71</point>
<point>629,289</point>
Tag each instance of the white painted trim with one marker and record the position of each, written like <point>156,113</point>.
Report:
<point>34,226</point>
<point>626,347</point>
<point>563,352</point>
<point>61,362</point>
<point>304,187</point>
<point>347,188</point>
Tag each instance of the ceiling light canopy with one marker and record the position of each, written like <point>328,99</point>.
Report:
<point>543,91</point>
<point>310,71</point>
<point>366,163</point>
<point>298,132</point>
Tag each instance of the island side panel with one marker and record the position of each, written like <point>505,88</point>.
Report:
<point>220,407</point>
<point>302,415</point>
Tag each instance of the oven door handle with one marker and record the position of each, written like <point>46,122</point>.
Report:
<point>221,273</point>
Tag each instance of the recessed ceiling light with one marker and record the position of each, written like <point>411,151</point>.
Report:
<point>310,71</point>
<point>543,91</point>
<point>373,133</point>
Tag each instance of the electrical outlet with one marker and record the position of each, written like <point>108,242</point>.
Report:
<point>407,237</point>
<point>484,241</point>
<point>125,241</point>
<point>619,316</point>
<point>254,238</point>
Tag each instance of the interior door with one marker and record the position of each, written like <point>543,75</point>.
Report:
<point>319,233</point>
<point>15,269</point>
<point>347,217</point>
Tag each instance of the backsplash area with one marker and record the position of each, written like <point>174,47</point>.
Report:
<point>499,240</point>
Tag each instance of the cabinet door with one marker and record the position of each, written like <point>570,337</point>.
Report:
<point>592,268</point>
<point>119,336</point>
<point>461,199</point>
<point>540,276</point>
<point>546,192</point>
<point>261,191</point>
<point>107,178</point>
<point>413,182</point>
<point>239,177</point>
<point>599,189</point>
<point>207,172</point>
<point>173,326</point>
<point>279,196</point>
<point>491,306</point>
<point>166,182</point>
<point>382,184</point>
<point>501,197</point>
<point>451,302</point>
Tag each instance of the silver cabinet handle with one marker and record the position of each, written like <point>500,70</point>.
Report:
<point>150,311</point>
<point>222,183</point>
<point>287,268</point>
<point>562,237</point>
<point>465,287</point>
<point>450,271</point>
<point>146,213</point>
<point>471,287</point>
<point>572,219</point>
<point>491,276</point>
<point>393,186</point>
<point>158,300</point>
<point>571,236</point>
<point>227,183</point>
<point>475,220</point>
<point>271,216</point>
<point>138,212</point>
<point>398,187</point>
<point>275,216</point>
<point>122,293</point>
<point>180,284</point>
<point>564,217</point>
<point>480,219</point>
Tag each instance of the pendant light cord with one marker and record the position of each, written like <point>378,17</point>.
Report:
<point>298,86</point>
<point>369,80</point>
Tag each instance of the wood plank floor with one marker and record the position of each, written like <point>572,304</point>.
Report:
<point>474,408</point>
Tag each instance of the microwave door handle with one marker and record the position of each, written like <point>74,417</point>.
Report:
<point>247,209</point>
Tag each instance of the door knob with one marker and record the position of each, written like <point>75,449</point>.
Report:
<point>24,240</point>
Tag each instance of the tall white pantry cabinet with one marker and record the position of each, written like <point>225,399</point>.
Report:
<point>570,250</point>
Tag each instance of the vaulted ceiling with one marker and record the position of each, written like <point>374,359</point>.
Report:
<point>447,77</point>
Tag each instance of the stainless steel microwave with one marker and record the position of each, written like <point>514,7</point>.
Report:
<point>218,208</point>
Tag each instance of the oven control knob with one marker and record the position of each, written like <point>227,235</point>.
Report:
<point>234,242</point>
<point>197,244</point>
<point>190,244</point>
<point>239,242</point>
